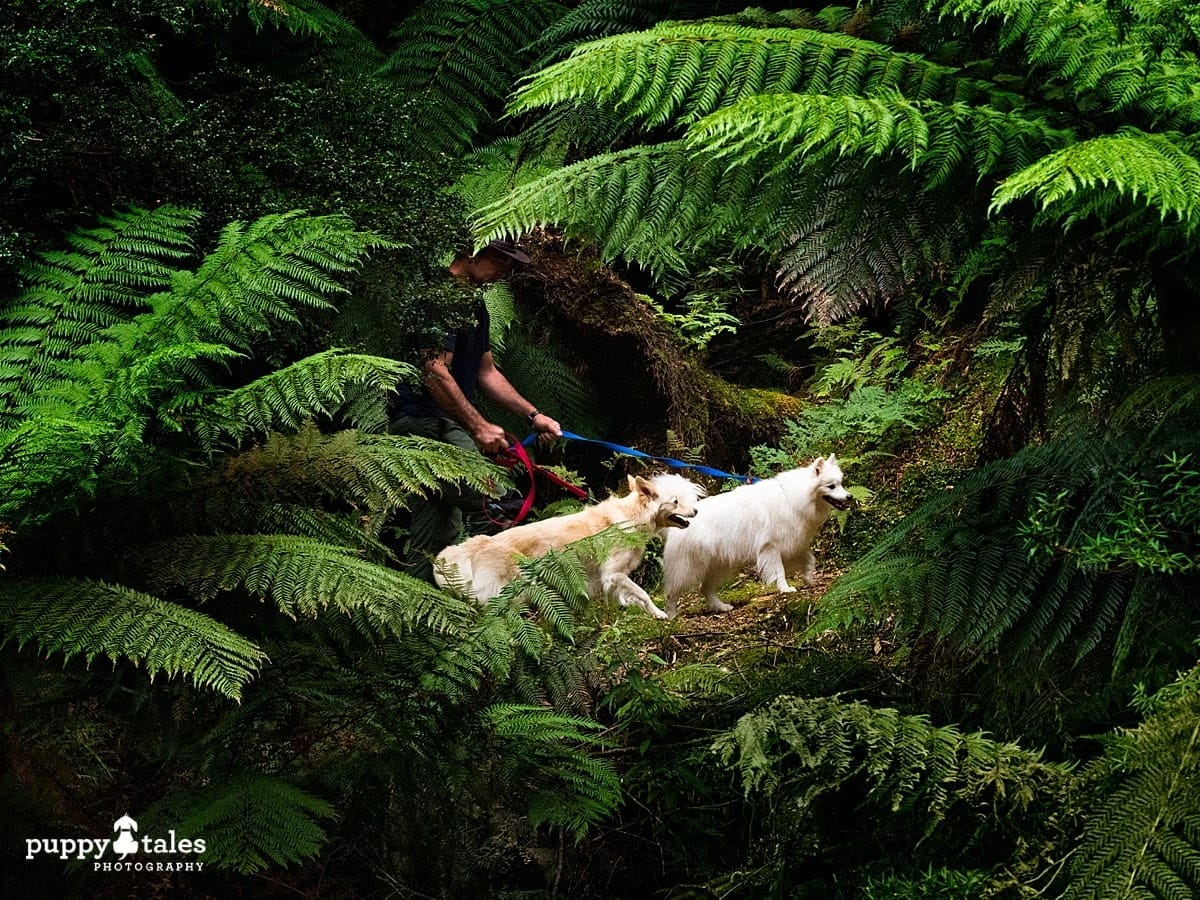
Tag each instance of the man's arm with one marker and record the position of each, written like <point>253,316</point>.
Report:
<point>445,392</point>
<point>494,385</point>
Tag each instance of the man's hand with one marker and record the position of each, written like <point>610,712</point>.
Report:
<point>490,438</point>
<point>547,428</point>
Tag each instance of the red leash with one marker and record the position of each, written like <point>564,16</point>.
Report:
<point>517,453</point>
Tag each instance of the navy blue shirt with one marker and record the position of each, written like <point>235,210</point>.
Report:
<point>468,345</point>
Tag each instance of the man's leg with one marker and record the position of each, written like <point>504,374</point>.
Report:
<point>437,522</point>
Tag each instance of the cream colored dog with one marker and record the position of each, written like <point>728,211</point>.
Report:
<point>484,564</point>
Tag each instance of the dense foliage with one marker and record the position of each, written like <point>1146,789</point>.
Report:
<point>965,233</point>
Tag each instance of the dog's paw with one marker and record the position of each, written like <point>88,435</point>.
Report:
<point>719,607</point>
<point>656,612</point>
<point>787,589</point>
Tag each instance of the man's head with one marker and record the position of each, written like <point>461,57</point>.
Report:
<point>492,263</point>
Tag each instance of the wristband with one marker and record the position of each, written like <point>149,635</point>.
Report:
<point>533,415</point>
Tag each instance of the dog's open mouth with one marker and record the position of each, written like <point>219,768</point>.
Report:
<point>838,502</point>
<point>677,520</point>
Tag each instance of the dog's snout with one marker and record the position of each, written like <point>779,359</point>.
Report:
<point>839,502</point>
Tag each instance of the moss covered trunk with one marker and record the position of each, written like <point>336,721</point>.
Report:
<point>649,382</point>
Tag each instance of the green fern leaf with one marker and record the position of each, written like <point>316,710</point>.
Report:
<point>320,384</point>
<point>92,618</point>
<point>105,277</point>
<point>458,57</point>
<point>812,747</point>
<point>1151,169</point>
<point>250,822</point>
<point>681,72</point>
<point>302,577</point>
<point>572,789</point>
<point>374,472</point>
<point>1142,837</point>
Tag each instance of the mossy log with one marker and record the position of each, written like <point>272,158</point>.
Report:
<point>649,382</point>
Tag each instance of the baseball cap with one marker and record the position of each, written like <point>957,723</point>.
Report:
<point>509,249</point>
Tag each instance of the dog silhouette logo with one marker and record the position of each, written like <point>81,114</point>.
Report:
<point>125,843</point>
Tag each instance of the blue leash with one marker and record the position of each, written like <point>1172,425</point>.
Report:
<point>630,451</point>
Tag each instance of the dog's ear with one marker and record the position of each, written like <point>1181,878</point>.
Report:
<point>817,463</point>
<point>643,487</point>
<point>832,460</point>
<point>632,483</point>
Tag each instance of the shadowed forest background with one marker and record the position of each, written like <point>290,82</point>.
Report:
<point>955,243</point>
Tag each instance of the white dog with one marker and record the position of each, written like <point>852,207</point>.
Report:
<point>770,524</point>
<point>484,564</point>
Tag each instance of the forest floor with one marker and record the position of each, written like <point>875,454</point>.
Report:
<point>760,615</point>
<point>765,626</point>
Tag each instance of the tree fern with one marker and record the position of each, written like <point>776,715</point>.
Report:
<point>1129,57</point>
<point>87,618</point>
<point>593,19</point>
<point>105,276</point>
<point>316,385</point>
<point>655,205</point>
<point>857,247</point>
<point>259,275</point>
<point>374,473</point>
<point>812,103</point>
<point>997,563</point>
<point>776,131</point>
<point>730,180</point>
<point>553,585</point>
<point>86,404</point>
<point>340,46</point>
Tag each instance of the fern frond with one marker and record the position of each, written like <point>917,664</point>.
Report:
<point>859,247</point>
<point>1143,839</point>
<point>258,276</point>
<point>811,747</point>
<point>593,19</point>
<point>1149,169</point>
<point>1131,58</point>
<point>775,132</point>
<point>300,17</point>
<point>249,822</point>
<point>554,585</point>
<point>571,788</point>
<point>681,72</point>
<point>732,176</point>
<point>92,618</point>
<point>374,472</point>
<point>459,57</point>
<point>1028,586</point>
<point>302,577</point>
<point>105,277</point>
<point>649,204</point>
<point>314,386</point>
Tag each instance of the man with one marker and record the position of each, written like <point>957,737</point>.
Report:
<point>445,410</point>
